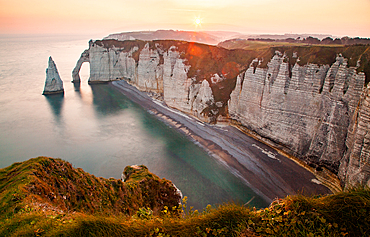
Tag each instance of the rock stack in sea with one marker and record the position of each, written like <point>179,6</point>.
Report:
<point>53,83</point>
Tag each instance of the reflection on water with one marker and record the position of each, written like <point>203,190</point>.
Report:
<point>83,91</point>
<point>56,104</point>
<point>77,86</point>
<point>107,101</point>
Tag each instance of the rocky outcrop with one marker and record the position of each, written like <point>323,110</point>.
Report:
<point>53,83</point>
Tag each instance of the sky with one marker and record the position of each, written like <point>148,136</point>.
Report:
<point>102,17</point>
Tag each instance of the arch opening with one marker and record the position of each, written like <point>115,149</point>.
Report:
<point>76,71</point>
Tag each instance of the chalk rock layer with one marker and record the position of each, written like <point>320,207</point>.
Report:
<point>53,83</point>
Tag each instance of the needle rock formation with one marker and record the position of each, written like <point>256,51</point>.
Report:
<point>53,83</point>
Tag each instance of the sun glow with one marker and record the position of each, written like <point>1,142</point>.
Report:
<point>197,22</point>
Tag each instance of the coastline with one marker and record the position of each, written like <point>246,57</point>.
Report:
<point>271,174</point>
<point>326,177</point>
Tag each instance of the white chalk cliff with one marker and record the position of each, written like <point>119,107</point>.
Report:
<point>53,83</point>
<point>308,114</point>
<point>355,165</point>
<point>149,70</point>
<point>155,69</point>
<point>318,113</point>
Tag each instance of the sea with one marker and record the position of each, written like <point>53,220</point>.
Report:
<point>95,127</point>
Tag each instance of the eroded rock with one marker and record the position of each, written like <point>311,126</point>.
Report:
<point>53,83</point>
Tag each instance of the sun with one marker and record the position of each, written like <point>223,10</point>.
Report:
<point>197,21</point>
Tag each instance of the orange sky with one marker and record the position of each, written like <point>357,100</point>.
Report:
<point>99,18</point>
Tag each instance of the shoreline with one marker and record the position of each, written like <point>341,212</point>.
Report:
<point>326,177</point>
<point>268,172</point>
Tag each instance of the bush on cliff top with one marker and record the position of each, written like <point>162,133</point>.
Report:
<point>27,213</point>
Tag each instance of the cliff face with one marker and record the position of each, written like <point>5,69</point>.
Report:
<point>355,166</point>
<point>316,110</point>
<point>149,70</point>
<point>307,113</point>
<point>175,69</point>
<point>110,64</point>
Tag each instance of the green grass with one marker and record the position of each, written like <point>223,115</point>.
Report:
<point>342,214</point>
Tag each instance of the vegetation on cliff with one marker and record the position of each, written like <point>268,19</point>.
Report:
<point>48,197</point>
<point>48,184</point>
<point>358,55</point>
<point>308,40</point>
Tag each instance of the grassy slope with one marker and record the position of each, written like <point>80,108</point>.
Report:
<point>342,214</point>
<point>53,186</point>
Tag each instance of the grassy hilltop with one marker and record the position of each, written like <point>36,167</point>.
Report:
<point>48,197</point>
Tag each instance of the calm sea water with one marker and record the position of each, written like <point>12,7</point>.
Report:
<point>96,127</point>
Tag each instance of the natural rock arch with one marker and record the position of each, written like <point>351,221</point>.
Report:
<point>85,57</point>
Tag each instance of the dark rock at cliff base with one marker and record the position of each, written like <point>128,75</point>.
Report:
<point>53,83</point>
